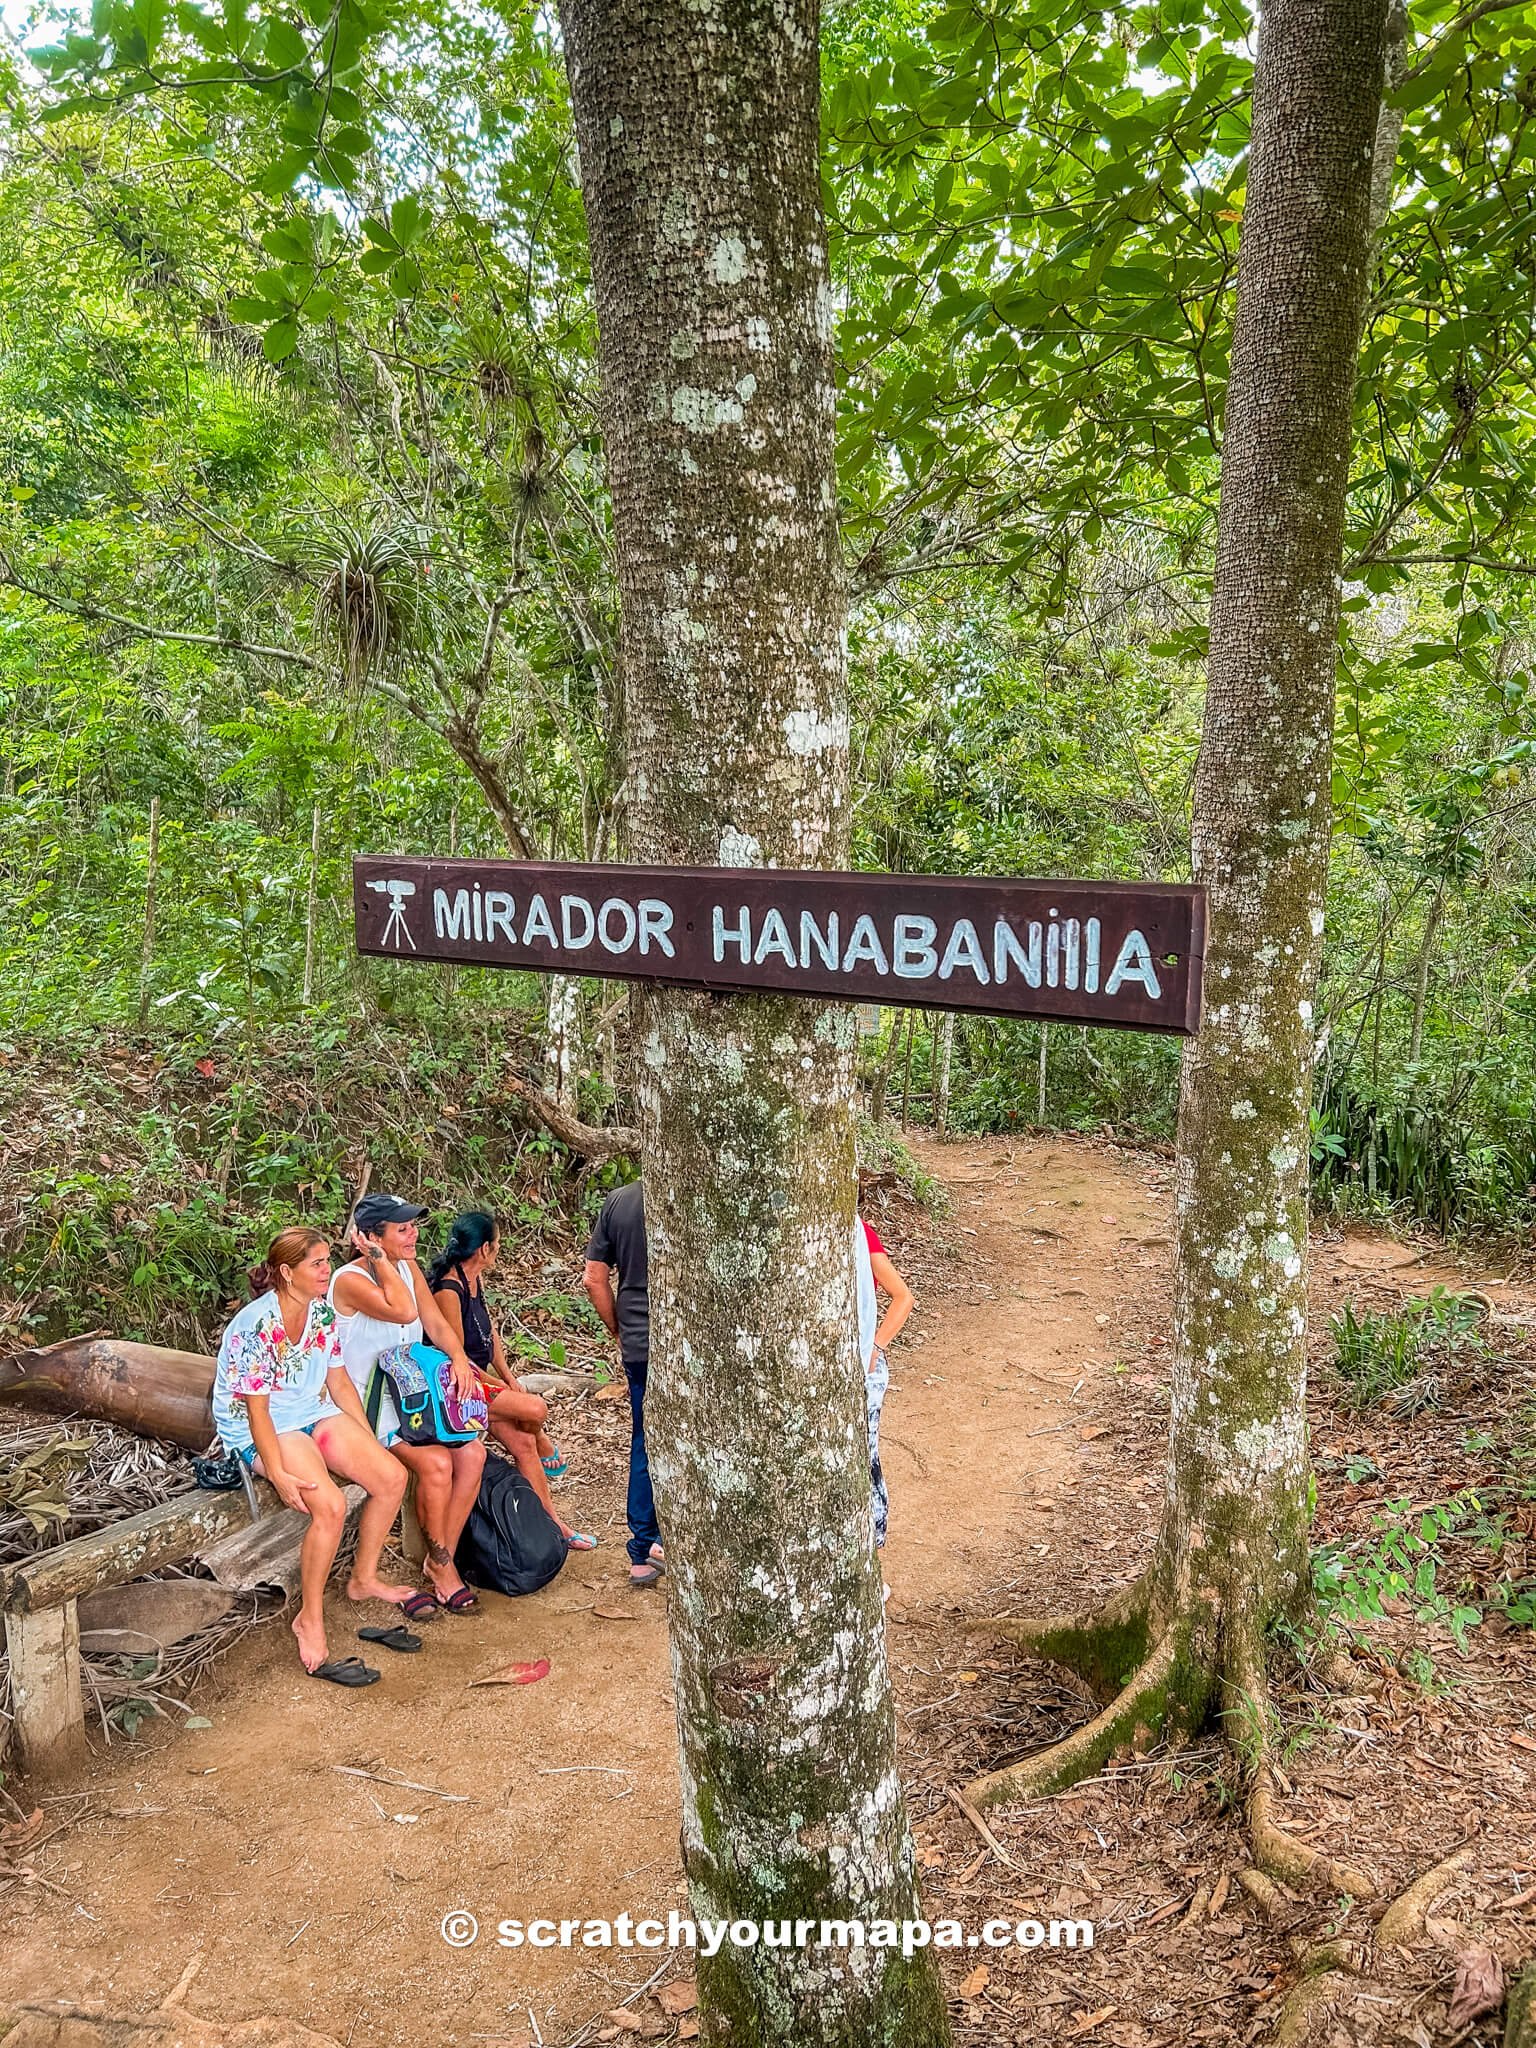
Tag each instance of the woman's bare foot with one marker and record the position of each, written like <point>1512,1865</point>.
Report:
<point>378,1589</point>
<point>309,1633</point>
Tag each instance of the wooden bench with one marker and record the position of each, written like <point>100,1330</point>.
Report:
<point>42,1632</point>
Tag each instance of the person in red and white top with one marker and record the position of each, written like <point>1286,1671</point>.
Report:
<point>874,1270</point>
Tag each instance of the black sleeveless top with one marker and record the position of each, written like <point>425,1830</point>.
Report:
<point>478,1346</point>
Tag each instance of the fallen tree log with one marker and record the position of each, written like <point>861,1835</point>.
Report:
<point>142,1387</point>
<point>176,1529</point>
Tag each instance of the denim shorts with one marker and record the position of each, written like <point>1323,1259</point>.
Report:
<point>248,1453</point>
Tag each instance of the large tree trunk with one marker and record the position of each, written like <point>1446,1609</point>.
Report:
<point>1232,1552</point>
<point>698,130</point>
<point>1235,1518</point>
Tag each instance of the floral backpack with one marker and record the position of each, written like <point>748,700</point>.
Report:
<point>421,1380</point>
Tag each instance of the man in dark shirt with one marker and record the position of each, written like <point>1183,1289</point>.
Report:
<point>618,1241</point>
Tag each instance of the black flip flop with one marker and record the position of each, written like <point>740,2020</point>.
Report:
<point>396,1638</point>
<point>350,1671</point>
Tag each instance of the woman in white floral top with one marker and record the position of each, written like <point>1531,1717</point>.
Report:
<point>283,1403</point>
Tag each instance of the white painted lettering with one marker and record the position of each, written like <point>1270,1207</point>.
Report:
<point>1134,963</point>
<point>1071,942</point>
<point>655,925</point>
<point>451,918</point>
<point>1091,934</point>
<point>539,924</point>
<point>864,944</point>
<point>572,907</point>
<point>825,942</point>
<point>499,911</point>
<point>739,935</point>
<point>774,938</point>
<point>964,950</point>
<point>1052,952</point>
<point>628,925</point>
<point>479,922</point>
<point>1006,949</point>
<point>912,954</point>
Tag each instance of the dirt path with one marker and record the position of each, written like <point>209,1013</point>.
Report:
<point>317,1896</point>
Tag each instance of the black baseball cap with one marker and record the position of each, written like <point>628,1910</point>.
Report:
<point>374,1211</point>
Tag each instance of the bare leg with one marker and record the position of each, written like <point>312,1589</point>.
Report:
<point>468,1466</point>
<point>521,1445</point>
<point>357,1454</point>
<point>446,1486</point>
<point>322,1540</point>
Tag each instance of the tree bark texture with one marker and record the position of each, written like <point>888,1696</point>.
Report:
<point>1234,1533</point>
<point>699,136</point>
<point>698,129</point>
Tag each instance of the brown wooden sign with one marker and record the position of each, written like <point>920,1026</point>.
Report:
<point>1125,953</point>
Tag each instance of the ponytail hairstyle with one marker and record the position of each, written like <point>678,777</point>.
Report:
<point>286,1250</point>
<point>472,1232</point>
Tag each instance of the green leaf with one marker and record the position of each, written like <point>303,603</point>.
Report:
<point>282,46</point>
<point>405,220</point>
<point>280,340</point>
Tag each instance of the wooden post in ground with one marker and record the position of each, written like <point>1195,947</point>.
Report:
<point>46,1700</point>
<point>151,879</point>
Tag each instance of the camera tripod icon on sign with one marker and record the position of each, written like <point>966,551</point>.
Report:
<point>395,927</point>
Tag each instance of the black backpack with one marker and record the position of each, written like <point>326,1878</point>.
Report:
<point>511,1544</point>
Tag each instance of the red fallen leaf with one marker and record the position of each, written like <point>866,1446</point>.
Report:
<point>515,1674</point>
<point>207,1069</point>
<point>1479,1988</point>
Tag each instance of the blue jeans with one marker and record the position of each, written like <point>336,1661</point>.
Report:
<point>640,1508</point>
<point>876,1381</point>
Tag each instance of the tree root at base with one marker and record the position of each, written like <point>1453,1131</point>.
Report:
<point>1296,1863</point>
<point>1328,1967</point>
<point>1134,1717</point>
<point>1173,1683</point>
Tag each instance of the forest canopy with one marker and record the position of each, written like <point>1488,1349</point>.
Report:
<point>306,548</point>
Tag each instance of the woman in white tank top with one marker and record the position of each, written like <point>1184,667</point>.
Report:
<point>382,1299</point>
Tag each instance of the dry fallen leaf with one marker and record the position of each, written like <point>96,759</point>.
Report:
<point>967,1677</point>
<point>1086,2022</point>
<point>612,1391</point>
<point>1523,1742</point>
<point>977,1982</point>
<point>16,1834</point>
<point>515,1674</point>
<point>624,2020</point>
<point>1479,1988</point>
<point>682,1996</point>
<point>687,2030</point>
